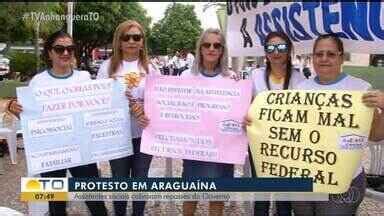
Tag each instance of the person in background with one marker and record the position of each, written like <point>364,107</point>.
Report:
<point>130,56</point>
<point>190,59</point>
<point>166,65</point>
<point>298,63</point>
<point>183,63</point>
<point>58,54</point>
<point>306,68</point>
<point>328,55</point>
<point>278,74</point>
<point>156,63</point>
<point>174,63</point>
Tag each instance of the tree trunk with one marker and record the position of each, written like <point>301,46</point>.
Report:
<point>37,47</point>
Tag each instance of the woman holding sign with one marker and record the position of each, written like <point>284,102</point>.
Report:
<point>278,74</point>
<point>58,54</point>
<point>129,63</point>
<point>328,55</point>
<point>210,63</point>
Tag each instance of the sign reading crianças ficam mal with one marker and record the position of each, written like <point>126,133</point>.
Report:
<point>318,134</point>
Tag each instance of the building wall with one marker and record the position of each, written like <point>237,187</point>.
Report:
<point>357,59</point>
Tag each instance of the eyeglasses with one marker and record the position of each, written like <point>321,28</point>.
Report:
<point>135,37</point>
<point>281,48</point>
<point>215,45</point>
<point>60,49</point>
<point>329,54</point>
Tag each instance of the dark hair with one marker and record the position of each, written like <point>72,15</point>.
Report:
<point>49,42</point>
<point>268,69</point>
<point>334,37</point>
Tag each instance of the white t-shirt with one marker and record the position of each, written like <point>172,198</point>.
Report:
<point>174,62</point>
<point>188,73</point>
<point>46,79</point>
<point>138,92</point>
<point>343,82</point>
<point>259,85</point>
<point>190,60</point>
<point>297,64</point>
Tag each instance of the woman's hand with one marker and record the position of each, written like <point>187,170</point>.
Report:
<point>131,99</point>
<point>143,121</point>
<point>247,121</point>
<point>14,107</point>
<point>137,110</point>
<point>374,99</point>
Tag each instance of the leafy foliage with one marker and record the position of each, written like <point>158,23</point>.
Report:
<point>21,63</point>
<point>97,33</point>
<point>18,25</point>
<point>179,29</point>
<point>12,26</point>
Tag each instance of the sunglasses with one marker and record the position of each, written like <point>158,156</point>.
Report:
<point>215,45</point>
<point>329,54</point>
<point>281,48</point>
<point>135,37</point>
<point>60,49</point>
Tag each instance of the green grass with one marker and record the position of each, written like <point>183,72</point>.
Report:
<point>8,88</point>
<point>373,75</point>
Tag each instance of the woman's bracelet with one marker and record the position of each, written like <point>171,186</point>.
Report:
<point>10,104</point>
<point>6,106</point>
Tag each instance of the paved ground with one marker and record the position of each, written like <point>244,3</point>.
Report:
<point>10,188</point>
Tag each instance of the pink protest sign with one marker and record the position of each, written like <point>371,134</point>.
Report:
<point>196,118</point>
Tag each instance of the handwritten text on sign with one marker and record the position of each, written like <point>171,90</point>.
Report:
<point>197,119</point>
<point>318,134</point>
<point>71,125</point>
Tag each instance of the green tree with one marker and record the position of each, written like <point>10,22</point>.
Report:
<point>179,29</point>
<point>12,26</point>
<point>21,65</point>
<point>42,19</point>
<point>22,22</point>
<point>97,33</point>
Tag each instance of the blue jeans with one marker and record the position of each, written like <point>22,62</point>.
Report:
<point>136,165</point>
<point>283,208</point>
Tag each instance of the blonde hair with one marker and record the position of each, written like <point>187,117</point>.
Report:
<point>117,55</point>
<point>198,66</point>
